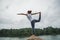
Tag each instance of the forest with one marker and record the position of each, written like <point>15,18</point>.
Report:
<point>24,32</point>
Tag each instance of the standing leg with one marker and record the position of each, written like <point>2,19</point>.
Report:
<point>33,26</point>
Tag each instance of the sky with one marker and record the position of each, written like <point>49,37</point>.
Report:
<point>50,13</point>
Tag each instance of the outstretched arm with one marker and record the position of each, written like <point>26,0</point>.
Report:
<point>21,14</point>
<point>35,13</point>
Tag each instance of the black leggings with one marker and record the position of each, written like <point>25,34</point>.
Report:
<point>33,23</point>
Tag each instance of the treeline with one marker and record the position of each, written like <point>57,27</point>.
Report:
<point>28,31</point>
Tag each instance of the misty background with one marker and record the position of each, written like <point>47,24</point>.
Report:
<point>50,11</point>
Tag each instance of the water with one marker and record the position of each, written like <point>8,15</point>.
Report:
<point>48,37</point>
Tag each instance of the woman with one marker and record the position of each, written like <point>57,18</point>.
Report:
<point>33,21</point>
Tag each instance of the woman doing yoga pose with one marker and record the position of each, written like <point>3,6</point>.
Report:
<point>33,21</point>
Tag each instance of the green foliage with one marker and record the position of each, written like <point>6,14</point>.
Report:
<point>28,31</point>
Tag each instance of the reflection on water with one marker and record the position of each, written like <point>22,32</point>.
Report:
<point>12,38</point>
<point>48,37</point>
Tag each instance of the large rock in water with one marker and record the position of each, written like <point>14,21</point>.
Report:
<point>33,37</point>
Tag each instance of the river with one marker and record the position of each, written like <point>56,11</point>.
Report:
<point>44,37</point>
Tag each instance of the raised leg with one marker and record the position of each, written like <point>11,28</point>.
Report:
<point>39,18</point>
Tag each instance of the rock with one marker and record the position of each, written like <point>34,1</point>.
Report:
<point>33,37</point>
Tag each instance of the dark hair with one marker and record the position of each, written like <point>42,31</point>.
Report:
<point>29,11</point>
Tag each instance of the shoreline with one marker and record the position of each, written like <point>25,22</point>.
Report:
<point>29,36</point>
